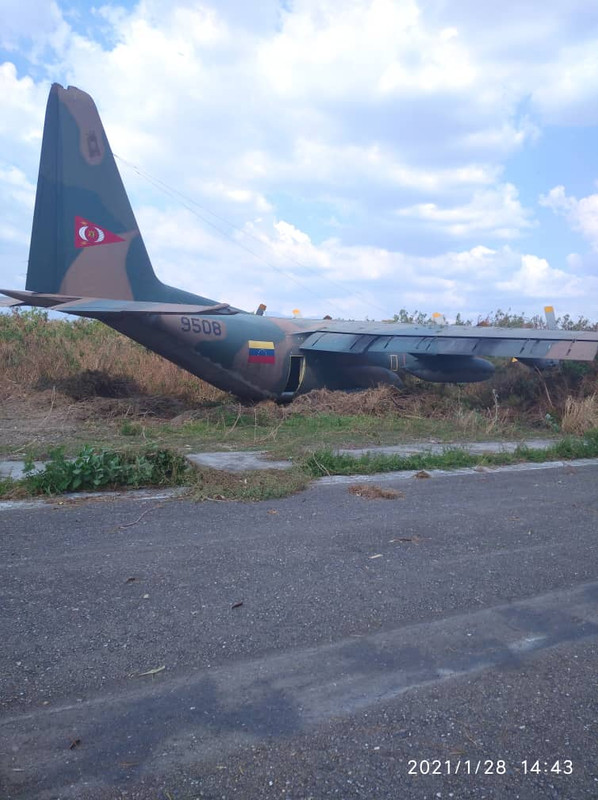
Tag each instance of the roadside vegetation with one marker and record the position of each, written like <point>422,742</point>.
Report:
<point>94,469</point>
<point>326,462</point>
<point>83,395</point>
<point>38,353</point>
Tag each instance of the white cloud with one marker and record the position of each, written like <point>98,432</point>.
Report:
<point>23,105</point>
<point>279,264</point>
<point>495,212</point>
<point>536,278</point>
<point>27,20</point>
<point>16,187</point>
<point>319,162</point>
<point>359,149</point>
<point>545,58</point>
<point>570,89</point>
<point>380,46</point>
<point>582,215</point>
<point>18,195</point>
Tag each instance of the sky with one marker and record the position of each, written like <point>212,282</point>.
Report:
<point>342,157</point>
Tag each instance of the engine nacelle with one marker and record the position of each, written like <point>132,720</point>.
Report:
<point>449,369</point>
<point>541,364</point>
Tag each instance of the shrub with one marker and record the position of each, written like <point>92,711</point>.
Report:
<point>98,469</point>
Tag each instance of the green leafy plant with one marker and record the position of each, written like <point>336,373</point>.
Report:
<point>97,469</point>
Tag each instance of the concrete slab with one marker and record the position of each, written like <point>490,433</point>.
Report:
<point>330,480</point>
<point>62,500</point>
<point>237,461</point>
<point>229,462</point>
<point>441,447</point>
<point>407,475</point>
<point>241,461</point>
<point>16,469</point>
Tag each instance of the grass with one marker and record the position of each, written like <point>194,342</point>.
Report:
<point>93,470</point>
<point>325,462</point>
<point>291,431</point>
<point>37,423</point>
<point>131,428</point>
<point>293,434</point>
<point>96,469</point>
<point>248,486</point>
<point>9,488</point>
<point>78,384</point>
<point>580,414</point>
<point>36,351</point>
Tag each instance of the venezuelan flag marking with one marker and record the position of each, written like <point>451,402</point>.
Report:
<point>261,352</point>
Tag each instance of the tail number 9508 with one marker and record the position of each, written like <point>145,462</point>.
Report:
<point>207,328</point>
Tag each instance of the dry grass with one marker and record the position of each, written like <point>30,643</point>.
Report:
<point>370,492</point>
<point>84,359</point>
<point>580,415</point>
<point>377,402</point>
<point>220,486</point>
<point>39,353</point>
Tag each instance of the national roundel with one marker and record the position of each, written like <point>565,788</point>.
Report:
<point>87,234</point>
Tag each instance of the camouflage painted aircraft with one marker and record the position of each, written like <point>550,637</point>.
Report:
<point>87,257</point>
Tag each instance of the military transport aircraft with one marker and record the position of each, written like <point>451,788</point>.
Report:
<point>87,257</point>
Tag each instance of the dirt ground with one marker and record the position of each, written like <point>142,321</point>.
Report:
<point>79,412</point>
<point>42,420</point>
<point>95,409</point>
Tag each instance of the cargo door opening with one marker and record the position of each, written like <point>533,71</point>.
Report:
<point>296,373</point>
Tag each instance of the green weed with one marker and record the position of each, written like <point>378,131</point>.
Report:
<point>93,469</point>
<point>326,462</point>
<point>131,428</point>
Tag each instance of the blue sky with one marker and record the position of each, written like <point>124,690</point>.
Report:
<point>350,158</point>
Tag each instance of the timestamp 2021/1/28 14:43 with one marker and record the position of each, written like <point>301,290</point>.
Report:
<point>488,766</point>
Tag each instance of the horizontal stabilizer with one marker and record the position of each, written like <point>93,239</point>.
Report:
<point>11,303</point>
<point>37,299</point>
<point>102,305</point>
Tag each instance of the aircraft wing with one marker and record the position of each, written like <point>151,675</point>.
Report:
<point>358,337</point>
<point>452,340</point>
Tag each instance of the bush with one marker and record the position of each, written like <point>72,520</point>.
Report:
<point>98,469</point>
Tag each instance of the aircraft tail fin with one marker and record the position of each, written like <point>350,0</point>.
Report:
<point>85,240</point>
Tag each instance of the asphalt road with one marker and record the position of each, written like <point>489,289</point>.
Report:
<point>442,644</point>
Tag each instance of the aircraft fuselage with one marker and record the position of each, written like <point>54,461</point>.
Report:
<point>257,357</point>
<point>87,257</point>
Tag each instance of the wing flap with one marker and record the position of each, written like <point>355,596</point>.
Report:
<point>339,342</point>
<point>520,343</point>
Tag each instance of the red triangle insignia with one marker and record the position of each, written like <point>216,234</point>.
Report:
<point>87,234</point>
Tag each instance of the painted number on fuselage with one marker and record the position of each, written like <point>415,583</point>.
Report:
<point>206,328</point>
